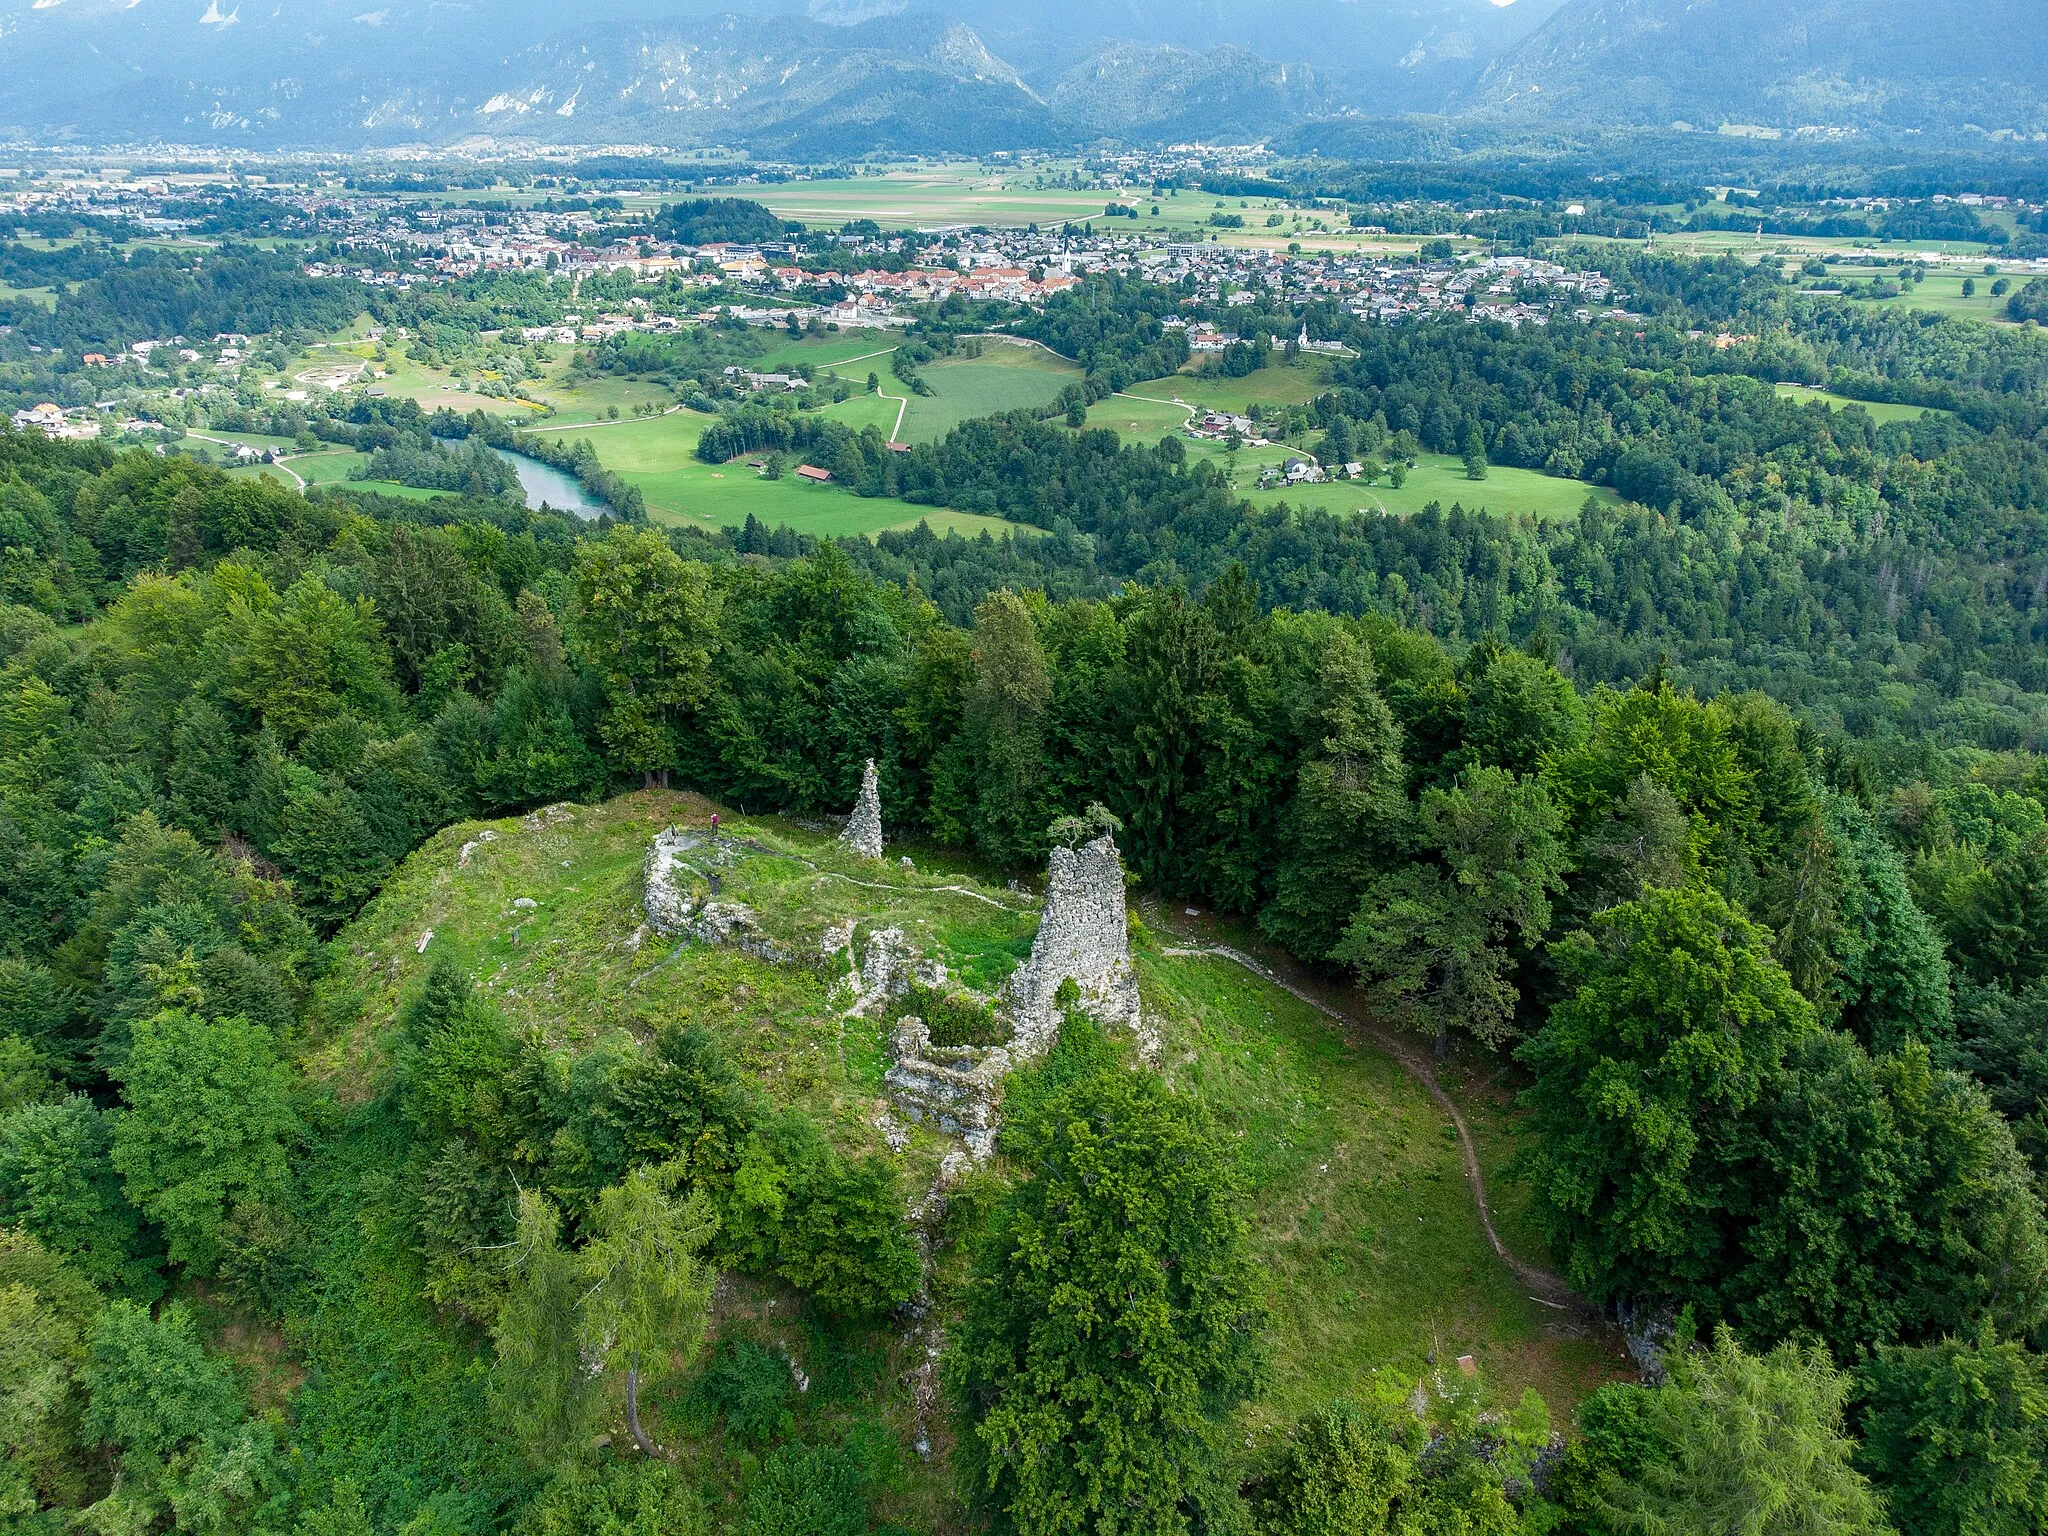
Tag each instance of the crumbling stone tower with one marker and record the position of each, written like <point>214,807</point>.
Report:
<point>1083,938</point>
<point>863,832</point>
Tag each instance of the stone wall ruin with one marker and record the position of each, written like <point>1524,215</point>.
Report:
<point>863,832</point>
<point>1085,938</point>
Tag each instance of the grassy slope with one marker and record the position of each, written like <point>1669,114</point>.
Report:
<point>1363,1217</point>
<point>1374,1248</point>
<point>1878,411</point>
<point>1003,378</point>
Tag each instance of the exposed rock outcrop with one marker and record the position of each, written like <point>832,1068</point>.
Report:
<point>863,832</point>
<point>676,862</point>
<point>1084,938</point>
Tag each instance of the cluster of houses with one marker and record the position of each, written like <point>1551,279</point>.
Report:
<point>1222,426</point>
<point>55,421</point>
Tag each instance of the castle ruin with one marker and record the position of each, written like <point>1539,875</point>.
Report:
<point>1083,938</point>
<point>863,832</point>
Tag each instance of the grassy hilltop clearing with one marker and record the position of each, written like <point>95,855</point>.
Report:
<point>1371,1247</point>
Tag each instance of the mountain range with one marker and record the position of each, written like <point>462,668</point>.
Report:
<point>843,77</point>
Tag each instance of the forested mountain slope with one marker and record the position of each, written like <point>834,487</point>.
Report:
<point>830,80</point>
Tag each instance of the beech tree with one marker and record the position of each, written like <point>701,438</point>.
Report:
<point>1702,1139</point>
<point>58,1182</point>
<point>204,1130</point>
<point>646,622</point>
<point>1675,1021</point>
<point>1430,938</point>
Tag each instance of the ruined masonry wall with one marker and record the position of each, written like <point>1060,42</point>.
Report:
<point>1082,937</point>
<point>863,832</point>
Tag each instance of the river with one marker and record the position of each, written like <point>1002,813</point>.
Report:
<point>547,486</point>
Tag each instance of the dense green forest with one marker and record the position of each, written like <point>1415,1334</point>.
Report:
<point>1715,821</point>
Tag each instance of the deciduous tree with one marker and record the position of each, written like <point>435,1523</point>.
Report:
<point>645,622</point>
<point>207,1119</point>
<point>1111,1323</point>
<point>1431,938</point>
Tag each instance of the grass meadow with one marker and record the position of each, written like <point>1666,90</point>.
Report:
<point>659,455</point>
<point>1878,411</point>
<point>1003,378</point>
<point>1439,478</point>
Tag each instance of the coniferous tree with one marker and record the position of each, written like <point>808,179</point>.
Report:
<point>1003,723</point>
<point>1751,1443</point>
<point>1348,813</point>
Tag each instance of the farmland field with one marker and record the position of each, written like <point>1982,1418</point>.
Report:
<point>937,195</point>
<point>45,298</point>
<point>659,455</point>
<point>1941,293</point>
<point>1278,384</point>
<point>1879,411</point>
<point>1147,413</point>
<point>835,353</point>
<point>1440,478</point>
<point>1138,418</point>
<point>1003,378</point>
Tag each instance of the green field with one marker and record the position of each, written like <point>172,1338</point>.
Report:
<point>1439,478</point>
<point>1003,378</point>
<point>43,298</point>
<point>1940,292</point>
<point>1147,413</point>
<point>326,468</point>
<point>1879,411</point>
<point>659,455</point>
<point>1750,246</point>
<point>835,354</point>
<point>1139,419</point>
<point>591,400</point>
<point>1278,384</point>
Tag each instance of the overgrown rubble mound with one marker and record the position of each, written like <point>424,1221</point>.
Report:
<point>1083,938</point>
<point>673,859</point>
